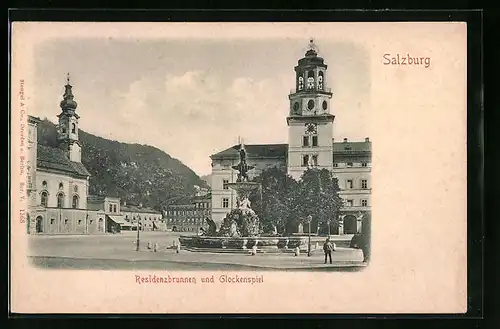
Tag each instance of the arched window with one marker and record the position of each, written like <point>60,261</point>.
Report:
<point>75,201</point>
<point>310,80</point>
<point>60,200</point>
<point>301,83</point>
<point>75,189</point>
<point>73,128</point>
<point>44,199</point>
<point>320,80</point>
<point>44,184</point>
<point>61,186</point>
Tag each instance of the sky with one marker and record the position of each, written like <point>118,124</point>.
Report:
<point>194,97</point>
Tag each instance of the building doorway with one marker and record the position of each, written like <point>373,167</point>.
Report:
<point>350,224</point>
<point>39,224</point>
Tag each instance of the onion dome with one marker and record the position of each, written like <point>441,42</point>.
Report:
<point>68,102</point>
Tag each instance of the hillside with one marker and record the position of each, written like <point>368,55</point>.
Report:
<point>135,173</point>
<point>207,179</point>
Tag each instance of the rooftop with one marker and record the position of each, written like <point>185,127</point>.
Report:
<point>281,150</point>
<point>55,159</point>
<point>255,151</point>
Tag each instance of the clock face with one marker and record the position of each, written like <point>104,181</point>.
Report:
<point>310,104</point>
<point>311,128</point>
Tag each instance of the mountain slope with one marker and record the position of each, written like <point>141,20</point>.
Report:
<point>136,173</point>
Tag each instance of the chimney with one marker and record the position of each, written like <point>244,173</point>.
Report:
<point>367,139</point>
<point>345,140</point>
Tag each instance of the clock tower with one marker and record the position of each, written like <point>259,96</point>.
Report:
<point>310,123</point>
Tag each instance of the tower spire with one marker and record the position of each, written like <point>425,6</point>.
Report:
<point>67,78</point>
<point>312,48</point>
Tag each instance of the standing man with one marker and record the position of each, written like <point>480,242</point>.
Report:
<point>328,248</point>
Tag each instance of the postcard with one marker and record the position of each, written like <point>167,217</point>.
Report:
<point>238,167</point>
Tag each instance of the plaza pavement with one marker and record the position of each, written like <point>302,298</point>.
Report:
<point>118,252</point>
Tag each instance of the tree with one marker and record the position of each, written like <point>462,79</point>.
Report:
<point>318,196</point>
<point>274,202</point>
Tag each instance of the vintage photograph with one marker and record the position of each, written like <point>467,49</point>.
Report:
<point>208,154</point>
<point>239,167</point>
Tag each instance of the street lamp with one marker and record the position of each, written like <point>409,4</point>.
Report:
<point>137,240</point>
<point>309,220</point>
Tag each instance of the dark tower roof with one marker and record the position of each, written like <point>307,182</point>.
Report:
<point>68,102</point>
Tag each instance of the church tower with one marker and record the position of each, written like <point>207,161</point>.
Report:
<point>310,123</point>
<point>68,126</point>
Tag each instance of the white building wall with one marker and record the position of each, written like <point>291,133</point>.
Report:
<point>53,180</point>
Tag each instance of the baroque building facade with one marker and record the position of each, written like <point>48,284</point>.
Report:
<point>310,144</point>
<point>58,185</point>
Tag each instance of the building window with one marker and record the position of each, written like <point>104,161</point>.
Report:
<point>301,83</point>
<point>79,222</point>
<point>349,164</point>
<point>75,189</point>
<point>305,160</point>
<point>225,203</point>
<point>364,183</point>
<point>305,141</point>
<point>364,164</point>
<point>335,165</point>
<point>60,200</point>
<point>61,186</point>
<point>75,201</point>
<point>114,208</point>
<point>110,208</point>
<point>66,221</point>
<point>349,183</point>
<point>73,128</point>
<point>364,203</point>
<point>320,80</point>
<point>44,199</point>
<point>44,184</point>
<point>315,141</point>
<point>350,203</point>
<point>52,220</point>
<point>315,160</point>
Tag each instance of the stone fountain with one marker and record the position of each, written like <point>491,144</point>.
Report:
<point>241,230</point>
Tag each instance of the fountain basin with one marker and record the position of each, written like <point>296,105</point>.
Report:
<point>242,244</point>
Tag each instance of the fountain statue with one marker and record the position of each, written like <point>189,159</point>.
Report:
<point>242,221</point>
<point>241,228</point>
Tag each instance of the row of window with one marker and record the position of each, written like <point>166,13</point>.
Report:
<point>311,140</point>
<point>186,220</point>
<point>61,186</point>
<point>187,212</point>
<point>350,184</point>
<point>310,81</point>
<point>201,205</point>
<point>73,128</point>
<point>112,208</point>
<point>142,218</point>
<point>351,164</point>
<point>44,200</point>
<point>350,203</point>
<point>80,222</point>
<point>309,160</point>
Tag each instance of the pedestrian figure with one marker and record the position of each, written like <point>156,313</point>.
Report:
<point>328,248</point>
